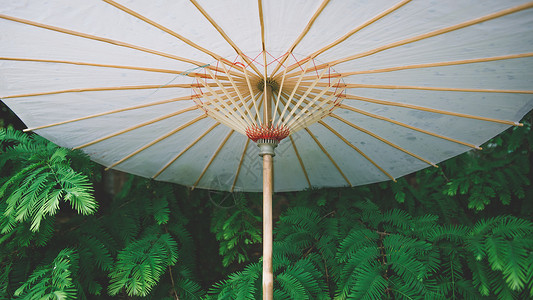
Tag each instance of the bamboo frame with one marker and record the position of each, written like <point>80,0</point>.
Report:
<point>224,35</point>
<point>427,35</point>
<point>438,111</point>
<point>343,106</point>
<point>159,139</point>
<point>101,39</point>
<point>173,33</point>
<point>175,158</point>
<point>213,158</point>
<point>352,32</point>
<point>112,112</point>
<point>240,165</point>
<point>328,155</point>
<point>300,161</point>
<point>102,89</point>
<point>384,140</point>
<point>230,98</point>
<point>79,63</point>
<point>356,149</point>
<point>137,126</point>
<point>302,35</point>
<point>224,118</point>
<point>428,88</point>
<point>291,96</point>
<point>237,90</point>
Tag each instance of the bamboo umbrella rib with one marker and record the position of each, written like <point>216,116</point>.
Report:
<point>328,155</point>
<point>302,98</point>
<point>240,165</point>
<point>279,95</point>
<point>102,89</point>
<point>226,109</point>
<point>251,91</point>
<point>292,94</point>
<point>220,116</point>
<point>428,88</point>
<point>300,161</point>
<point>421,66</point>
<point>225,36</point>
<point>383,140</point>
<point>101,39</point>
<point>433,33</point>
<point>438,64</point>
<point>427,35</point>
<point>112,112</point>
<point>184,150</point>
<point>263,47</point>
<point>240,112</point>
<point>312,102</point>
<point>356,149</point>
<point>79,63</point>
<point>352,32</point>
<point>438,111</point>
<point>359,28</point>
<point>213,158</point>
<point>438,32</point>
<point>237,90</point>
<point>171,32</point>
<point>302,34</point>
<point>343,106</point>
<point>314,116</point>
<point>165,136</point>
<point>138,126</point>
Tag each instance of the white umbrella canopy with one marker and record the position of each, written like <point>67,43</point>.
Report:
<point>356,91</point>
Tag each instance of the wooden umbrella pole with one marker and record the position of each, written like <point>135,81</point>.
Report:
<point>267,152</point>
<point>268,276</point>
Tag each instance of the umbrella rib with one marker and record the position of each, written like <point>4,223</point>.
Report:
<point>300,161</point>
<point>294,146</point>
<point>112,112</point>
<point>302,35</point>
<point>225,111</point>
<point>356,149</point>
<point>328,155</point>
<point>101,89</point>
<point>165,136</point>
<point>292,94</point>
<point>225,36</point>
<point>302,98</point>
<point>428,88</point>
<point>427,35</point>
<point>343,106</point>
<point>438,64</point>
<point>352,32</point>
<point>138,126</point>
<point>312,102</point>
<point>224,90</point>
<point>237,90</point>
<point>101,39</point>
<point>383,140</point>
<point>213,158</point>
<point>171,32</point>
<point>185,150</point>
<point>240,165</point>
<point>438,111</point>
<point>79,63</point>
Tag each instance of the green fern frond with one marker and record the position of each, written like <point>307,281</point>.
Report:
<point>140,265</point>
<point>53,281</point>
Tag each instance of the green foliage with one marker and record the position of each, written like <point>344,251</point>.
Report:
<point>52,281</point>
<point>236,228</point>
<point>42,178</point>
<point>141,263</point>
